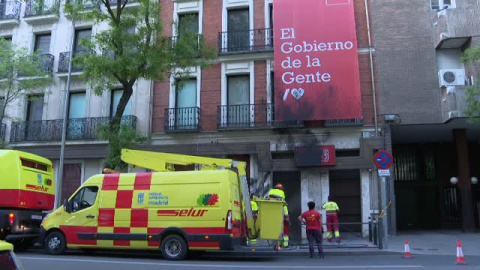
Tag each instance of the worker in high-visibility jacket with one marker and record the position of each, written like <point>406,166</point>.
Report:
<point>278,193</point>
<point>255,215</point>
<point>332,210</point>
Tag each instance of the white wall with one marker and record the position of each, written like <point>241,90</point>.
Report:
<point>61,31</point>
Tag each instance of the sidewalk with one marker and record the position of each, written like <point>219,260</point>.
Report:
<point>436,242</point>
<point>421,243</point>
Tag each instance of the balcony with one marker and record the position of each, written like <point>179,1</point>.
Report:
<point>51,130</point>
<point>453,27</point>
<point>256,40</point>
<point>40,12</point>
<point>87,5</point>
<point>63,61</point>
<point>3,129</point>
<point>195,41</point>
<point>251,116</point>
<point>45,64</point>
<point>182,120</point>
<point>130,3</point>
<point>454,102</point>
<point>10,13</point>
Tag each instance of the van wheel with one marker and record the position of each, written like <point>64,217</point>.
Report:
<point>174,247</point>
<point>55,243</point>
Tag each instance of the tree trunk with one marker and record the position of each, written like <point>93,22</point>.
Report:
<point>114,151</point>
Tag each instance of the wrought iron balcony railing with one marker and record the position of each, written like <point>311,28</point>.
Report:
<point>113,3</point>
<point>45,64</point>
<point>41,7</point>
<point>194,41</point>
<point>251,116</point>
<point>245,116</point>
<point>182,119</point>
<point>87,4</point>
<point>246,41</point>
<point>3,130</point>
<point>10,10</point>
<point>51,130</point>
<point>63,62</point>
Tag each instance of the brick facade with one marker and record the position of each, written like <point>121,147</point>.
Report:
<point>211,76</point>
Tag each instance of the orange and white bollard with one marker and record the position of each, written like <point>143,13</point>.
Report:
<point>407,254</point>
<point>460,257</point>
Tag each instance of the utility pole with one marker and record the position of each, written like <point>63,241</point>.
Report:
<point>65,116</point>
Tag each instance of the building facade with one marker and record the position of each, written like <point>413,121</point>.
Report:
<point>421,82</point>
<point>227,110</point>
<point>34,124</point>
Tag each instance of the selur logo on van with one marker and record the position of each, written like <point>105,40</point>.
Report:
<point>182,213</point>
<point>37,188</point>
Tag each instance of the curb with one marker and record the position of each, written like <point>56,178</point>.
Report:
<point>300,253</point>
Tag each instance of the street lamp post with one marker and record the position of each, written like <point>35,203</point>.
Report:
<point>65,115</point>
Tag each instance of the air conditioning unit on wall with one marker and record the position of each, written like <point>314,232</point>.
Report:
<point>448,77</point>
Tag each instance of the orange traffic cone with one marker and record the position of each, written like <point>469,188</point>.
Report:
<point>407,254</point>
<point>460,257</point>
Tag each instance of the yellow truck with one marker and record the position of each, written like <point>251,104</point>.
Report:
<point>174,211</point>
<point>27,189</point>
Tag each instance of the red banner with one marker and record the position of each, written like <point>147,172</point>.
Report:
<point>316,60</point>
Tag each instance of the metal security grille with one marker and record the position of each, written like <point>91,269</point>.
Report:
<point>414,162</point>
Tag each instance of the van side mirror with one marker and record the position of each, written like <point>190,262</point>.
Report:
<point>67,206</point>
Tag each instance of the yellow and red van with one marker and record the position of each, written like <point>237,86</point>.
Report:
<point>173,211</point>
<point>27,189</point>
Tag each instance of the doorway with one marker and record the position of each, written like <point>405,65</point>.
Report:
<point>72,179</point>
<point>293,195</point>
<point>345,190</point>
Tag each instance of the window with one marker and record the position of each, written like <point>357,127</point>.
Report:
<point>76,114</point>
<point>238,98</point>
<point>188,22</point>
<point>434,4</point>
<point>35,108</point>
<point>238,25</point>
<point>84,198</point>
<point>79,34</point>
<point>185,103</point>
<point>116,95</point>
<point>42,43</point>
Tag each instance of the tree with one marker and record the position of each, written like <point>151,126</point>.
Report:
<point>131,48</point>
<point>472,56</point>
<point>21,74</point>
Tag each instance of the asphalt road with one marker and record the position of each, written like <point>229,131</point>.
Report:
<point>36,260</point>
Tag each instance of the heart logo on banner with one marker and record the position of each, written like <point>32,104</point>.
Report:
<point>298,93</point>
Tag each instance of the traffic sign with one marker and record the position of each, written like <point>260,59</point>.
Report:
<point>383,160</point>
<point>383,172</point>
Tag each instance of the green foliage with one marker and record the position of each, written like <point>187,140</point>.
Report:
<point>473,104</point>
<point>124,138</point>
<point>472,56</point>
<point>132,47</point>
<point>21,74</point>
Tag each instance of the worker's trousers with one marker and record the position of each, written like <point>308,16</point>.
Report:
<point>314,236</point>
<point>332,227</point>
<point>284,243</point>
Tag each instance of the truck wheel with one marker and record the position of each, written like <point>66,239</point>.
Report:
<point>173,247</point>
<point>55,243</point>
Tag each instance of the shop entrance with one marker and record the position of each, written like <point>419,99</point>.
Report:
<point>345,190</point>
